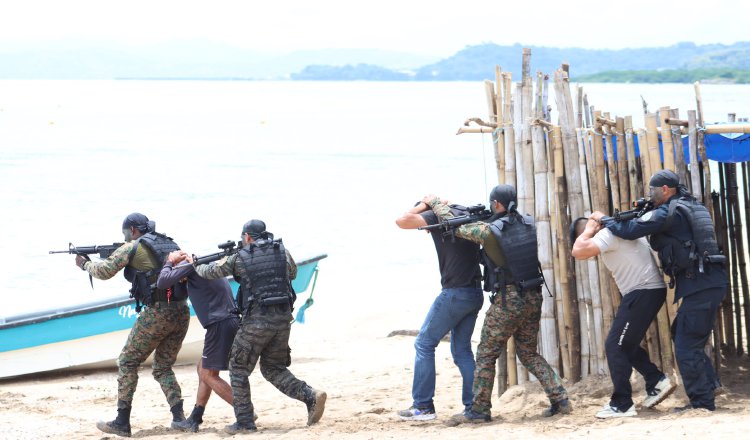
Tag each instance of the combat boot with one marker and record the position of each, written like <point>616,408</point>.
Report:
<point>240,428</point>
<point>120,425</point>
<point>192,422</point>
<point>561,407</point>
<point>316,403</point>
<point>178,415</point>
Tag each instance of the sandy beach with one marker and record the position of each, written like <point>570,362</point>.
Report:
<point>367,381</point>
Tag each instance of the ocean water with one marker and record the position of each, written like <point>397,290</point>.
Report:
<point>328,166</point>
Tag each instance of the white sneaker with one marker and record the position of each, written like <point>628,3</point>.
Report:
<point>661,391</point>
<point>420,414</point>
<point>609,412</point>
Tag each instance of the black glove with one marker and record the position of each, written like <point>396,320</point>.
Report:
<point>81,260</point>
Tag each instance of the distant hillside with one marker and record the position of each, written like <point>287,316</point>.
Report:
<point>477,62</point>
<point>720,76</point>
<point>181,60</point>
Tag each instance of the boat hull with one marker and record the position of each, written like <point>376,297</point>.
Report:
<point>92,335</point>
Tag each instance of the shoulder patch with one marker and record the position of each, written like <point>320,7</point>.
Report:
<point>646,217</point>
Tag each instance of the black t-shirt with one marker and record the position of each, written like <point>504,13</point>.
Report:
<point>459,260</point>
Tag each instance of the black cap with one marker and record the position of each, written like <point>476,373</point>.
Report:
<point>664,177</point>
<point>255,228</point>
<point>504,194</point>
<point>136,220</point>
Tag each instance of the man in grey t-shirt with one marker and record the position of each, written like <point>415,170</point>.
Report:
<point>643,294</point>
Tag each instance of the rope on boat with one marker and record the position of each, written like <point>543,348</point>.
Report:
<point>309,302</point>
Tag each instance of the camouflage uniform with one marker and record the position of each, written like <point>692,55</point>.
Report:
<point>519,318</point>
<point>161,327</point>
<point>264,336</point>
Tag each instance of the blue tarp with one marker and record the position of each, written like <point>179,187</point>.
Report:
<point>730,147</point>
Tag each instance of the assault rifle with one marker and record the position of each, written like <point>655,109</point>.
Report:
<point>448,226</point>
<point>227,249</point>
<point>640,207</point>
<point>104,250</point>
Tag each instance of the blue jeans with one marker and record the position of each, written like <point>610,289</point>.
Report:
<point>454,310</point>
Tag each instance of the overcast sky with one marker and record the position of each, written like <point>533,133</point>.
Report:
<point>430,27</point>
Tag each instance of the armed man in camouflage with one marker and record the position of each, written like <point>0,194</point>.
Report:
<point>512,275</point>
<point>265,270</point>
<point>161,326</point>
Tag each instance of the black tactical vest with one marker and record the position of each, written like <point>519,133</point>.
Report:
<point>515,234</point>
<point>266,281</point>
<point>143,279</point>
<point>692,255</point>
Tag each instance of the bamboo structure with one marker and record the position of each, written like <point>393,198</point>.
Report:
<point>586,161</point>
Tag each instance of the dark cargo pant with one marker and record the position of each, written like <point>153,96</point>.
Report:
<point>519,318</point>
<point>160,327</point>
<point>264,335</point>
<point>636,312</point>
<point>691,328</point>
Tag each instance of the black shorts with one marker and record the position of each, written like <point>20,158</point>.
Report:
<point>218,343</point>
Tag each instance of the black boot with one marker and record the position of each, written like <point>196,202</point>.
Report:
<point>316,403</point>
<point>192,422</point>
<point>240,428</point>
<point>120,425</point>
<point>562,407</point>
<point>178,415</point>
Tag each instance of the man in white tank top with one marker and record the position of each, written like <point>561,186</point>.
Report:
<point>643,294</point>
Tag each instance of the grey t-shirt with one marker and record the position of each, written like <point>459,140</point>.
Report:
<point>630,261</point>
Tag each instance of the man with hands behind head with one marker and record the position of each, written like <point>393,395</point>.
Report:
<point>217,312</point>
<point>643,293</point>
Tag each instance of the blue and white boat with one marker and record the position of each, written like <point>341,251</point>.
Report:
<point>92,335</point>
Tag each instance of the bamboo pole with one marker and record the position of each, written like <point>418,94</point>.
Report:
<point>645,160</point>
<point>695,177</point>
<point>601,203</point>
<point>679,150</point>
<point>509,135</point>
<point>549,346</point>
<point>569,303</point>
<point>666,140</point>
<point>498,136</point>
<point>726,303</point>
<point>588,360</point>
<point>728,128</point>
<point>652,136</point>
<point>614,181</point>
<point>526,191</point>
<point>739,271</point>
<point>518,126</point>
<point>634,184</point>
<point>734,260</point>
<point>559,322</point>
<point>491,95</point>
<point>622,165</point>
<point>702,148</point>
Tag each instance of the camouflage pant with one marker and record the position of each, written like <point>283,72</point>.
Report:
<point>518,318</point>
<point>264,336</point>
<point>160,327</point>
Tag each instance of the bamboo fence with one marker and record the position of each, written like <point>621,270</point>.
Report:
<point>588,160</point>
